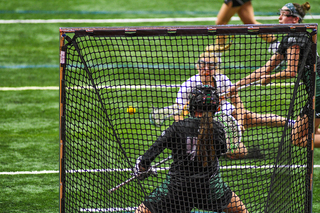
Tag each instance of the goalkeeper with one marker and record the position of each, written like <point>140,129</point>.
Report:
<point>292,48</point>
<point>207,67</point>
<point>194,179</point>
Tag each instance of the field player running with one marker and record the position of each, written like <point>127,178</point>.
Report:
<point>194,179</point>
<point>208,67</point>
<point>292,49</point>
<point>244,10</point>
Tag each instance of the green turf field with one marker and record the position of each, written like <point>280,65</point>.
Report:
<point>29,57</point>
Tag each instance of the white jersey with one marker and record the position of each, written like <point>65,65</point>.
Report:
<point>223,84</point>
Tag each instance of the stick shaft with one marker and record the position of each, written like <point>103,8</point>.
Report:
<point>242,87</point>
<point>134,177</point>
<point>122,184</point>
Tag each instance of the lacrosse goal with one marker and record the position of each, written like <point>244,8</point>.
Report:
<point>105,71</point>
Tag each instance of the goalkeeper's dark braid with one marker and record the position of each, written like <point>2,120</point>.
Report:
<point>205,144</point>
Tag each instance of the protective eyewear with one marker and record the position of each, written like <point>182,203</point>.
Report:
<point>202,64</point>
<point>288,13</point>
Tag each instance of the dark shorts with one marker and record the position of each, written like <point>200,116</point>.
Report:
<point>236,3</point>
<point>184,196</point>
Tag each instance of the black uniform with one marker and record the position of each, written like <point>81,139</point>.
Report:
<point>301,40</point>
<point>236,3</point>
<point>189,184</point>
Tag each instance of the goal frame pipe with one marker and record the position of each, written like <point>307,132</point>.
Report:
<point>61,125</point>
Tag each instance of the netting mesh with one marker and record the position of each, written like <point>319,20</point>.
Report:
<point>114,79</point>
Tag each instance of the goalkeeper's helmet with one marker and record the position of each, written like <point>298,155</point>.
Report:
<point>203,98</point>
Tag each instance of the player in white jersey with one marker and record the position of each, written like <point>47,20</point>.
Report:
<point>222,84</point>
<point>210,74</point>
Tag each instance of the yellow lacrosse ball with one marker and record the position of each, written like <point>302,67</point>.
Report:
<point>131,110</point>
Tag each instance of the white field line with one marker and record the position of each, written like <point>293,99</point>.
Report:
<point>135,87</point>
<point>158,169</point>
<point>117,209</point>
<point>138,20</point>
<point>27,88</point>
<point>109,209</point>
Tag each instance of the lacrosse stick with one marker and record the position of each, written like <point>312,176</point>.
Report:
<point>159,115</point>
<point>151,170</point>
<point>223,95</point>
<point>232,130</point>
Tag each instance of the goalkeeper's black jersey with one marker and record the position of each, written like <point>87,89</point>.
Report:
<point>181,138</point>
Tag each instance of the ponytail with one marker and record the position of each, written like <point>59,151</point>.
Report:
<point>302,9</point>
<point>205,144</point>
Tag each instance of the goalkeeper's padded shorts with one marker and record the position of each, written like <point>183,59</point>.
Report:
<point>213,195</point>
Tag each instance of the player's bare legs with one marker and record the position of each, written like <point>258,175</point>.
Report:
<point>246,14</point>
<point>300,132</point>
<point>252,119</point>
<point>225,14</point>
<point>142,209</point>
<point>236,205</point>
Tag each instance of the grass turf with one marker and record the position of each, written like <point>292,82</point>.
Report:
<point>30,119</point>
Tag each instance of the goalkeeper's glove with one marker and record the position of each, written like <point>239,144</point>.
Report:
<point>142,173</point>
<point>273,47</point>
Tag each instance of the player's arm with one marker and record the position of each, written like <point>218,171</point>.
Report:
<point>256,75</point>
<point>162,142</point>
<point>292,67</point>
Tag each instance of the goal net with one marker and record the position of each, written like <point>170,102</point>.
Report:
<point>121,89</point>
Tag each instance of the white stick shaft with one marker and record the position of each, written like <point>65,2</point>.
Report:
<point>134,177</point>
<point>122,184</point>
<point>242,87</point>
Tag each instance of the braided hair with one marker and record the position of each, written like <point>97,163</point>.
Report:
<point>205,99</point>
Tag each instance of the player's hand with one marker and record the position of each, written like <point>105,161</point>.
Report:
<point>142,173</point>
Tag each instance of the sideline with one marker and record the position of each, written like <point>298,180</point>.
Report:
<point>131,87</point>
<point>126,170</point>
<point>138,20</point>
<point>27,88</point>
